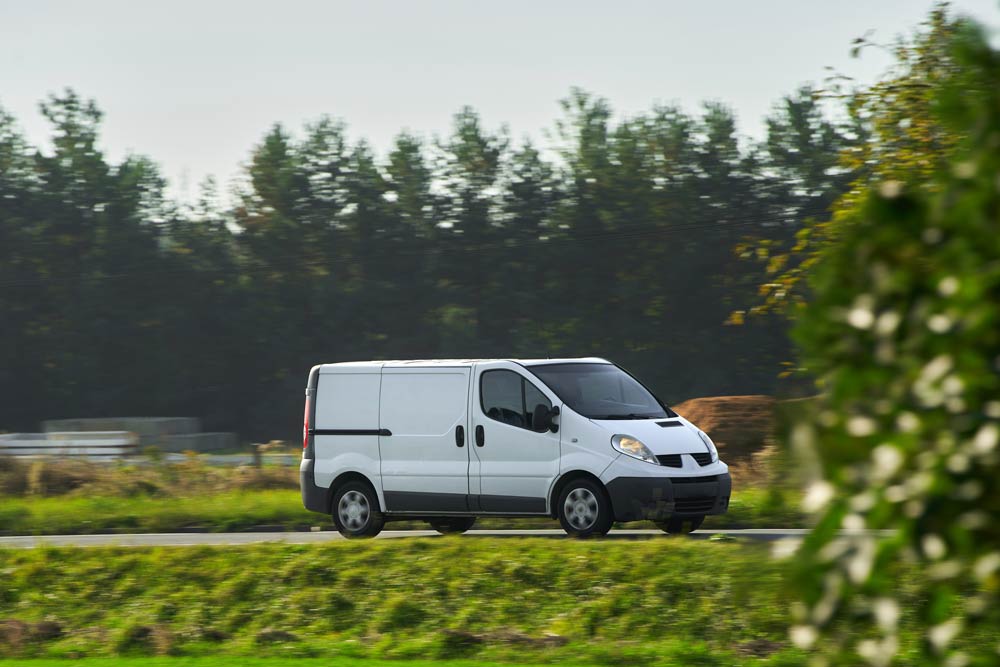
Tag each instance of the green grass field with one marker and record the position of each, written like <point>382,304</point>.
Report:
<point>491,599</point>
<point>244,661</point>
<point>241,510</point>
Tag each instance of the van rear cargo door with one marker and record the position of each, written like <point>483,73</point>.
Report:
<point>425,460</point>
<point>345,433</point>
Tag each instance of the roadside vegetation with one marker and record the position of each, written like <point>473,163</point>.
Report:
<point>901,331</point>
<point>491,599</point>
<point>59,497</point>
<point>244,661</point>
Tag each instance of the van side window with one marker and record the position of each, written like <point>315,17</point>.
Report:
<point>532,397</point>
<point>507,397</point>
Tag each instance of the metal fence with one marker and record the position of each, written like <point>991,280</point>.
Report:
<point>94,445</point>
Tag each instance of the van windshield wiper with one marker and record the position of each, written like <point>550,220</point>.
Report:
<point>630,415</point>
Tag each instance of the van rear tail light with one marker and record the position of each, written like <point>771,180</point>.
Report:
<point>305,423</point>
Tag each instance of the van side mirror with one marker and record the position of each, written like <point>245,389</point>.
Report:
<point>541,418</point>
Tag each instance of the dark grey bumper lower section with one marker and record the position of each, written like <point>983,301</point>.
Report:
<point>314,498</point>
<point>657,498</point>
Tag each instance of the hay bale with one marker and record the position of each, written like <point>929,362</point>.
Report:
<point>741,426</point>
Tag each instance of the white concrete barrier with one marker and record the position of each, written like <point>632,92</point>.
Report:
<point>167,434</point>
<point>151,430</point>
<point>96,445</point>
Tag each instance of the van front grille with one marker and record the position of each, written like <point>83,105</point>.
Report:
<point>694,480</point>
<point>692,505</point>
<point>674,460</point>
<point>670,460</point>
<point>703,458</point>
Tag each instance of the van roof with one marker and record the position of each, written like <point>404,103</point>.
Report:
<point>462,362</point>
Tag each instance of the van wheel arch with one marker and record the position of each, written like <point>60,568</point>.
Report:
<point>342,479</point>
<point>566,479</point>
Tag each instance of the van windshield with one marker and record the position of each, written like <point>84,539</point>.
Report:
<point>600,391</point>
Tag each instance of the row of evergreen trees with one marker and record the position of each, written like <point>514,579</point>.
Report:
<point>618,242</point>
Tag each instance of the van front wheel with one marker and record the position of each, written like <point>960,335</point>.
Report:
<point>458,524</point>
<point>584,509</point>
<point>356,512</point>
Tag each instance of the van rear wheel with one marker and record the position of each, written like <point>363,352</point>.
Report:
<point>458,524</point>
<point>584,509</point>
<point>676,525</point>
<point>356,513</point>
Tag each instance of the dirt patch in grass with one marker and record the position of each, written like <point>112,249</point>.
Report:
<point>15,634</point>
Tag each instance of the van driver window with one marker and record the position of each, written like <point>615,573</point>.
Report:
<point>507,397</point>
<point>532,397</point>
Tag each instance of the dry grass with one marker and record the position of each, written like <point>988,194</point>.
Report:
<point>52,477</point>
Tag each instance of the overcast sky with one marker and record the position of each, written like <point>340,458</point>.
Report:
<point>195,84</point>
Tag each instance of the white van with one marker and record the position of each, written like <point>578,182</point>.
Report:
<point>447,441</point>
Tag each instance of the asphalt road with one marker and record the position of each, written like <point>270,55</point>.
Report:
<point>319,537</point>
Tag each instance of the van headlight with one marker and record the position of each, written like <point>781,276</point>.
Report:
<point>711,445</point>
<point>633,447</point>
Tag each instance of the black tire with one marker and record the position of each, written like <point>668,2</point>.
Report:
<point>457,524</point>
<point>677,525</point>
<point>356,512</point>
<point>583,509</point>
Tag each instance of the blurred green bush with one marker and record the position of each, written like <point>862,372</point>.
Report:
<point>902,331</point>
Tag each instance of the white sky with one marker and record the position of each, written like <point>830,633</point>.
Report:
<point>195,84</point>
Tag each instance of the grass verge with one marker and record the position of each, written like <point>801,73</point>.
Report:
<point>242,661</point>
<point>491,599</point>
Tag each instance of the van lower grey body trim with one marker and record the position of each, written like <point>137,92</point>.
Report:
<point>511,504</point>
<point>317,499</point>
<point>410,502</point>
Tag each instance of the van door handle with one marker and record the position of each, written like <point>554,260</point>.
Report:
<point>460,435</point>
<point>480,436</point>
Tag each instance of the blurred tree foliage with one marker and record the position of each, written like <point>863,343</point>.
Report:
<point>116,300</point>
<point>902,330</point>
<point>891,130</point>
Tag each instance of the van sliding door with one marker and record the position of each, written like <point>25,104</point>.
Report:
<point>425,460</point>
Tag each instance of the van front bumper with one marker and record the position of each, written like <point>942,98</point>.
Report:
<point>658,498</point>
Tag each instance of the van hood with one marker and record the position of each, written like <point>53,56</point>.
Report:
<point>679,436</point>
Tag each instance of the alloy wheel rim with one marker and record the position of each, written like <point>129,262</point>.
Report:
<point>353,510</point>
<point>580,508</point>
